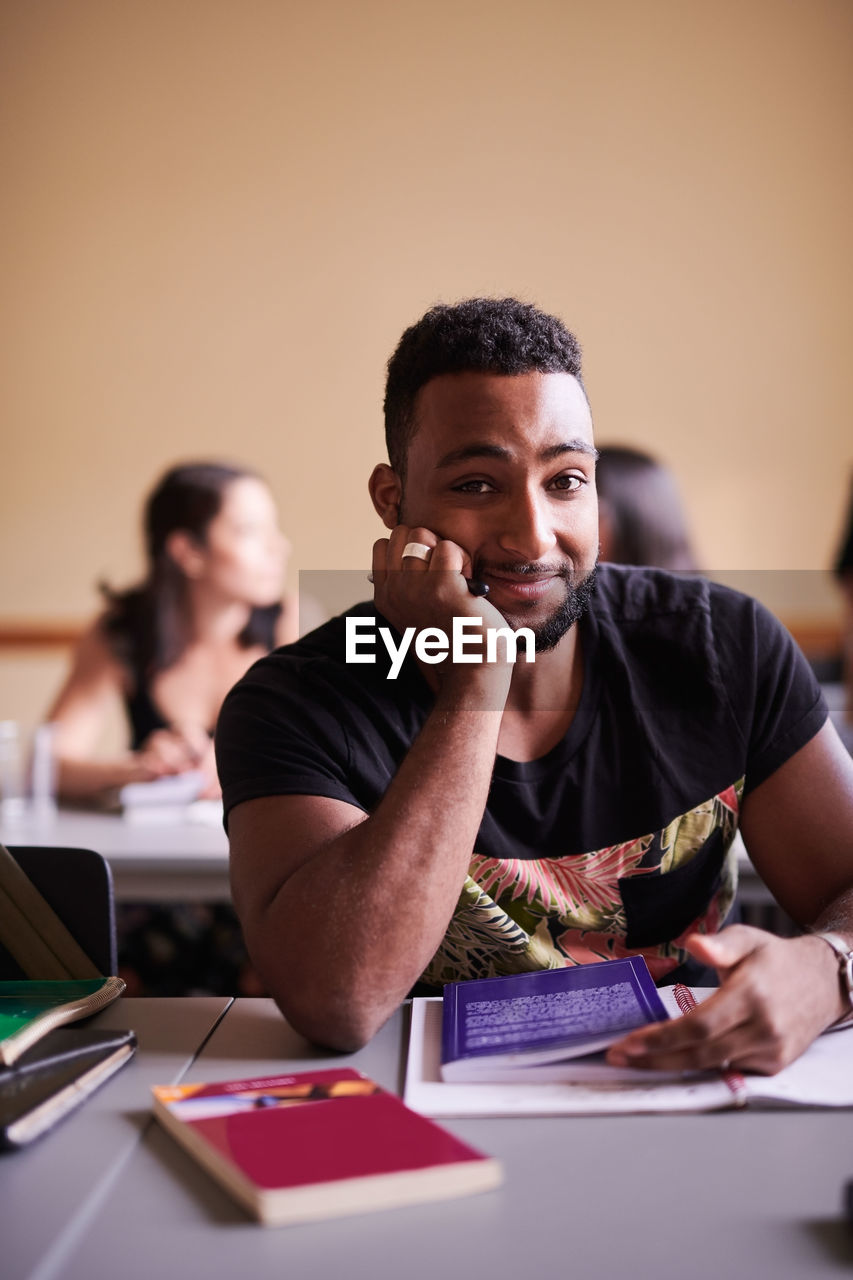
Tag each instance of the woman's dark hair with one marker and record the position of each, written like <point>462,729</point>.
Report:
<point>146,626</point>
<point>843,566</point>
<point>641,510</point>
<point>486,335</point>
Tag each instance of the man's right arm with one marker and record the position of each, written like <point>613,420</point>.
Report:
<point>343,911</point>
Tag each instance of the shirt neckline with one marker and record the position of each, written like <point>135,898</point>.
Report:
<point>523,771</point>
<point>412,679</point>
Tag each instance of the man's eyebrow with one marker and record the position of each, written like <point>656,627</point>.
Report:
<point>568,446</point>
<point>485,450</point>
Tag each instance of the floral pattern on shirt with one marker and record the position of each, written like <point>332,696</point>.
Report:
<point>517,915</point>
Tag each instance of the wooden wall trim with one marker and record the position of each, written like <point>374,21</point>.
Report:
<point>816,637</point>
<point>34,633</point>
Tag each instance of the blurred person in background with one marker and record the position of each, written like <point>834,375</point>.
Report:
<point>641,518</point>
<point>843,568</point>
<point>170,648</point>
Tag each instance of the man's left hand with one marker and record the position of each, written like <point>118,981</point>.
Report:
<point>776,995</point>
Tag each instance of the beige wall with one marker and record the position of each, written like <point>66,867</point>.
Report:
<point>219,216</point>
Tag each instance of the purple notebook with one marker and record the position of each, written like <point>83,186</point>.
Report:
<point>492,1025</point>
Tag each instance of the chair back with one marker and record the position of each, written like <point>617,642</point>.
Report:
<point>78,885</point>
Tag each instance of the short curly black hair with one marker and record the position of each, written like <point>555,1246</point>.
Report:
<point>488,335</point>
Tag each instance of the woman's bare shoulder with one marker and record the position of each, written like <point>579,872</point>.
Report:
<point>95,653</point>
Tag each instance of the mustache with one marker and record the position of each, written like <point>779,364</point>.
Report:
<point>523,568</point>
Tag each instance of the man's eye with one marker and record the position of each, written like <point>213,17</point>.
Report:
<point>473,486</point>
<point>567,483</point>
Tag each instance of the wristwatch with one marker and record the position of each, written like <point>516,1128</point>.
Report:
<point>845,966</point>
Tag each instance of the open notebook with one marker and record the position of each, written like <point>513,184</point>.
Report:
<point>821,1077</point>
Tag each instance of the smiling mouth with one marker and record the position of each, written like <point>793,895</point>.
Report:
<point>522,586</point>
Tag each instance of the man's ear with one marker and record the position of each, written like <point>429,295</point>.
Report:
<point>184,551</point>
<point>386,493</point>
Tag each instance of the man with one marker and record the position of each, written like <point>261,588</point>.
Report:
<point>468,818</point>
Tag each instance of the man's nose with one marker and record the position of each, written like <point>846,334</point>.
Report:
<point>527,531</point>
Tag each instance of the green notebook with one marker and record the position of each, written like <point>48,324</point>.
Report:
<point>29,1009</point>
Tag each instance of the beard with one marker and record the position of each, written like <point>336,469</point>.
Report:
<point>579,589</point>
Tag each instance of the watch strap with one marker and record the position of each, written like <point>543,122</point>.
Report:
<point>844,952</point>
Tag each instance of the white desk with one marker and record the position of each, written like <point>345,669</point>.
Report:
<point>743,1195</point>
<point>174,862</point>
<point>52,1191</point>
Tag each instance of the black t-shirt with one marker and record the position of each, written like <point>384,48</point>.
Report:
<point>616,841</point>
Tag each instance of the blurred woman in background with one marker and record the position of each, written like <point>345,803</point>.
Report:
<point>172,647</point>
<point>843,568</point>
<point>641,517</point>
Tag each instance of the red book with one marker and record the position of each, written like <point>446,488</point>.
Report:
<point>319,1144</point>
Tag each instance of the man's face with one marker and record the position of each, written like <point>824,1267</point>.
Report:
<point>505,467</point>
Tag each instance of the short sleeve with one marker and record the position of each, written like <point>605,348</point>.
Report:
<point>278,734</point>
<point>771,687</point>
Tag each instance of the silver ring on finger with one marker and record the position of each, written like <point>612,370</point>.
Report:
<point>417,551</point>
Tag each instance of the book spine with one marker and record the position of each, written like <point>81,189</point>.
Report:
<point>58,1105</point>
<point>26,947</point>
<point>451,1046</point>
<point>17,1043</point>
<point>26,914</point>
<point>644,988</point>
